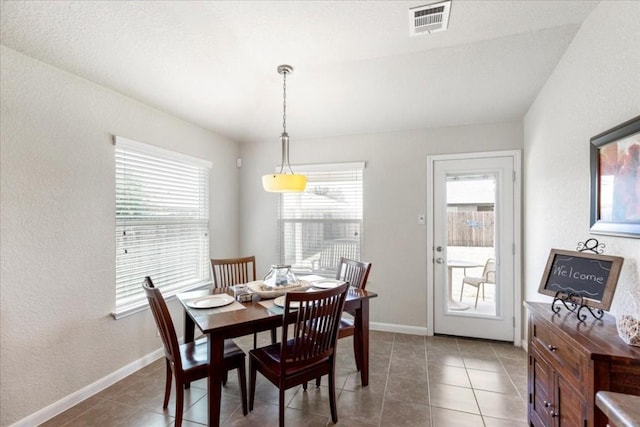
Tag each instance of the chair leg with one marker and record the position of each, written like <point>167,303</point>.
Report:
<point>332,396</point>
<point>167,386</point>
<point>255,340</point>
<point>179,404</point>
<point>482,291</point>
<point>461,291</point>
<point>281,391</point>
<point>304,386</point>
<point>318,381</point>
<point>242,379</point>
<point>274,337</point>
<point>225,378</point>
<point>477,294</point>
<point>252,383</point>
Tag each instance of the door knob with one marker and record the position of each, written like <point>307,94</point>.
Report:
<point>439,249</point>
<point>439,260</point>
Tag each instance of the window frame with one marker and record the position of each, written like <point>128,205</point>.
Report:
<point>160,221</point>
<point>347,244</point>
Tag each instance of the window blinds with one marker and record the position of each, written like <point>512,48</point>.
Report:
<point>323,223</point>
<point>162,222</point>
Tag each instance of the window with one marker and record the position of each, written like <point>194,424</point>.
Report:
<point>162,222</point>
<point>323,223</point>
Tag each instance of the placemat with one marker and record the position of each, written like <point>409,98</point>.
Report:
<point>231,307</point>
<point>269,305</point>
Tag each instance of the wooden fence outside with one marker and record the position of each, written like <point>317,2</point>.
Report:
<point>475,229</point>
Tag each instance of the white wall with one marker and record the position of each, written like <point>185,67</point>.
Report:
<point>395,192</point>
<point>57,229</point>
<point>595,86</point>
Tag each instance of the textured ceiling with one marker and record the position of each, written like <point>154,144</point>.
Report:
<point>356,69</point>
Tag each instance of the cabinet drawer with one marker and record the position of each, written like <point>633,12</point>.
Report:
<point>556,348</point>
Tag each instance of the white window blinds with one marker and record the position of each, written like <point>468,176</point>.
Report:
<point>162,222</point>
<point>323,223</point>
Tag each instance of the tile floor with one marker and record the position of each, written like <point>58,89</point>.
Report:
<point>414,381</point>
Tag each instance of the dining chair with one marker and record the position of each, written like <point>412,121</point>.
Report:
<point>355,273</point>
<point>189,362</point>
<point>313,318</point>
<point>488,276</point>
<point>233,271</point>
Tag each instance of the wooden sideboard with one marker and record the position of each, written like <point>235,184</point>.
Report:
<point>569,361</point>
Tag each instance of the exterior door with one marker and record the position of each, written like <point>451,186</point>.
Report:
<point>474,245</point>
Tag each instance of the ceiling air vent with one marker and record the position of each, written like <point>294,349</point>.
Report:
<point>429,18</point>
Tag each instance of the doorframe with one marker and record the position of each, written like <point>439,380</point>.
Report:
<point>517,234</point>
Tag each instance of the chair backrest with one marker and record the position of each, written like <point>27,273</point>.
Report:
<point>489,272</point>
<point>354,272</point>
<point>164,322</point>
<point>315,326</point>
<point>333,250</point>
<point>231,271</point>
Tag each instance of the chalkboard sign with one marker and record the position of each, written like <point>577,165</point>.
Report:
<point>579,274</point>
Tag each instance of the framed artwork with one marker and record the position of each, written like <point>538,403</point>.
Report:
<point>615,181</point>
<point>583,275</point>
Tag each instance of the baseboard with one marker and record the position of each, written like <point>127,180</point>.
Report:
<point>400,329</point>
<point>73,399</point>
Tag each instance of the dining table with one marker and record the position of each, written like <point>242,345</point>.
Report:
<point>259,314</point>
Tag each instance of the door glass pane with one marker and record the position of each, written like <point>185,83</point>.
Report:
<point>471,243</point>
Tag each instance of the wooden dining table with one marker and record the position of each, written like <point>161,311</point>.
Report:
<point>239,319</point>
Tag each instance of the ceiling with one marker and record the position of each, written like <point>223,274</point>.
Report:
<point>356,68</point>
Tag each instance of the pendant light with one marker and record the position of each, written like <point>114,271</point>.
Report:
<point>283,181</point>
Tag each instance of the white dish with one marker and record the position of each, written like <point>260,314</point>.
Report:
<point>328,283</point>
<point>280,302</point>
<point>258,287</point>
<point>211,301</point>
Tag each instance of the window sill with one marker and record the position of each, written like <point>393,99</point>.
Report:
<point>144,305</point>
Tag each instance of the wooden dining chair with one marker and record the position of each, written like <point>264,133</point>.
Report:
<point>189,362</point>
<point>313,318</point>
<point>233,271</point>
<point>355,273</point>
<point>488,276</point>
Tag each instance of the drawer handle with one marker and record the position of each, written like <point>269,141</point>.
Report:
<point>554,414</point>
<point>552,347</point>
<point>547,404</point>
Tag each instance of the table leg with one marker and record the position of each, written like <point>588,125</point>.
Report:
<point>453,305</point>
<point>214,383</point>
<point>189,331</point>
<point>189,328</point>
<point>362,335</point>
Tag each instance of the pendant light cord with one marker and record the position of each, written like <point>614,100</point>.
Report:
<point>284,102</point>
<point>285,136</point>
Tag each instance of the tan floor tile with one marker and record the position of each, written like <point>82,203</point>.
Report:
<point>455,398</point>
<point>406,339</point>
<point>444,358</point>
<point>497,405</point>
<point>483,363</point>
<point>401,414</point>
<point>447,418</point>
<point>491,381</point>
<point>363,405</point>
<point>452,375</point>
<point>496,422</point>
<point>414,390</point>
